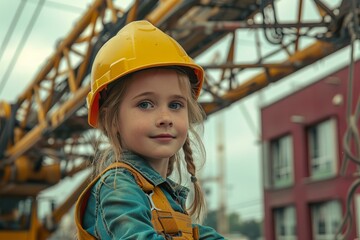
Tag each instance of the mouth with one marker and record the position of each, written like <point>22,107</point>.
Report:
<point>163,136</point>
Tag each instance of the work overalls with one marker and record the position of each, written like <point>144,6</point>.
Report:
<point>166,221</point>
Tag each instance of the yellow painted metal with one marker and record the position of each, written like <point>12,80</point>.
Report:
<point>312,53</point>
<point>47,122</point>
<point>35,230</point>
<point>23,170</point>
<point>132,12</point>
<point>5,109</point>
<point>160,12</point>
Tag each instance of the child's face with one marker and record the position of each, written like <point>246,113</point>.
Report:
<point>154,114</point>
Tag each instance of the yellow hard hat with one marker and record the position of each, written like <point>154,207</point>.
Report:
<point>139,45</point>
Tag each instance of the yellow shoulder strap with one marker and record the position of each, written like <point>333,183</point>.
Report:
<point>144,184</point>
<point>164,219</point>
<point>83,198</point>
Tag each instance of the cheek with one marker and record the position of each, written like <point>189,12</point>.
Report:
<point>183,123</point>
<point>183,131</point>
<point>132,127</point>
<point>138,129</point>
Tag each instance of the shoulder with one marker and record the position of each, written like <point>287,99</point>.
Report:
<point>122,207</point>
<point>118,186</point>
<point>117,178</point>
<point>121,172</point>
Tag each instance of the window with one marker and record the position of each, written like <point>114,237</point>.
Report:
<point>322,149</point>
<point>15,213</point>
<point>282,161</point>
<point>326,218</point>
<point>285,223</point>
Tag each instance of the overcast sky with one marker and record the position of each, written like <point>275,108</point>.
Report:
<point>241,136</point>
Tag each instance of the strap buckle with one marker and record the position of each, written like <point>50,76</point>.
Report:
<point>152,204</point>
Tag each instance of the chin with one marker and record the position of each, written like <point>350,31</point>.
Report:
<point>155,155</point>
<point>162,155</point>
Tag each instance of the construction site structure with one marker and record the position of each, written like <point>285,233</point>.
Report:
<point>44,134</point>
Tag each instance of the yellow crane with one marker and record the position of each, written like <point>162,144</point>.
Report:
<point>44,135</point>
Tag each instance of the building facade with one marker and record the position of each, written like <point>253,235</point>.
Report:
<point>305,180</point>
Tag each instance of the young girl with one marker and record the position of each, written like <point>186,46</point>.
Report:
<point>143,98</point>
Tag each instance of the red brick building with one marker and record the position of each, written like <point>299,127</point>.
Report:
<point>302,134</point>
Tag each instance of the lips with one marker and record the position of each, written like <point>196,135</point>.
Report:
<point>163,136</point>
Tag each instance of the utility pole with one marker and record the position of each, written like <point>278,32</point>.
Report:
<point>222,220</point>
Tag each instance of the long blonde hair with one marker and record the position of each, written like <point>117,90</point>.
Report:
<point>109,117</point>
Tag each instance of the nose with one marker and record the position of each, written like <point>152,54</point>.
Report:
<point>164,120</point>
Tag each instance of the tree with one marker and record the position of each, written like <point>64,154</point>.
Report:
<point>210,219</point>
<point>234,223</point>
<point>249,228</point>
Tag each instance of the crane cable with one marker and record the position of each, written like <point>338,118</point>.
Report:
<point>276,33</point>
<point>21,45</point>
<point>12,26</point>
<point>352,132</point>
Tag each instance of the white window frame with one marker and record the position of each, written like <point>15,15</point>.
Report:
<point>282,161</point>
<point>266,169</point>
<point>285,223</point>
<point>330,213</point>
<point>322,145</point>
<point>357,214</point>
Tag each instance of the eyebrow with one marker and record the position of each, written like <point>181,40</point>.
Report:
<point>144,94</point>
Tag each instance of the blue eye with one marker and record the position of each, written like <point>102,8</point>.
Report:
<point>145,105</point>
<point>176,105</point>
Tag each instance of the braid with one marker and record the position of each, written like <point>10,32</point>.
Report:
<point>171,165</point>
<point>198,204</point>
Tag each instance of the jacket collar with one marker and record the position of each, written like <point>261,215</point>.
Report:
<point>144,168</point>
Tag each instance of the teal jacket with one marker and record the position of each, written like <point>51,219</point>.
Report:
<point>119,209</point>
